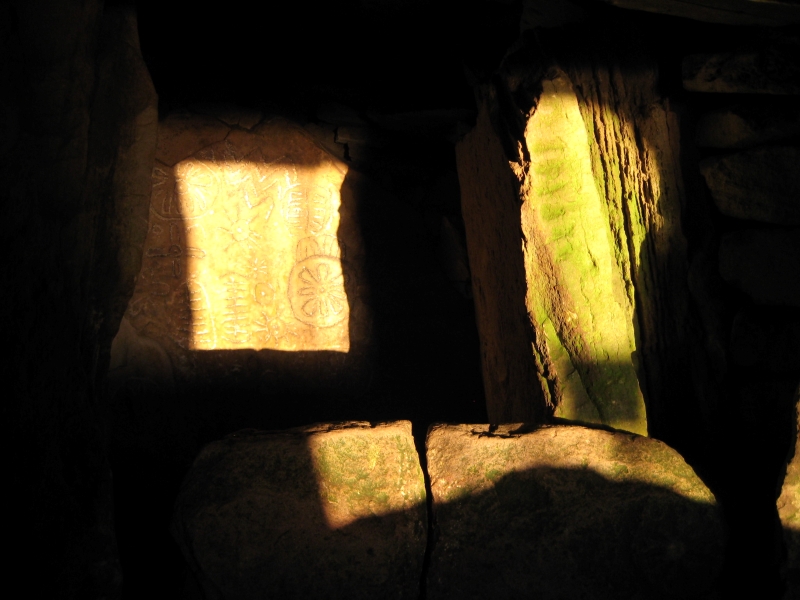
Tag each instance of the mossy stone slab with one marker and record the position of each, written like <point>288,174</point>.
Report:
<point>326,511</point>
<point>566,511</point>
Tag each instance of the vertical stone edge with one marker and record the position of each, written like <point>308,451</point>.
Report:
<point>515,387</point>
<point>638,170</point>
<point>123,136</point>
<point>789,512</point>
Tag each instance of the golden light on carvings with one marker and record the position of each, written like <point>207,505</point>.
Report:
<point>242,252</point>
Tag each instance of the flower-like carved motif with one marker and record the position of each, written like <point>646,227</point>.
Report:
<point>316,291</point>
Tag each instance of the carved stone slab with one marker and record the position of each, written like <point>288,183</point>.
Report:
<point>326,511</point>
<point>251,274</point>
<point>242,250</point>
<point>567,512</point>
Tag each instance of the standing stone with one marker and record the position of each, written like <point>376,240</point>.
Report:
<point>762,184</point>
<point>763,263</point>
<point>789,512</point>
<point>245,248</point>
<point>567,512</point>
<point>326,511</point>
<point>571,196</point>
<point>251,271</point>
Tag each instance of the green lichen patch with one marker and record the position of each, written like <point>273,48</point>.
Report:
<point>364,472</point>
<point>576,286</point>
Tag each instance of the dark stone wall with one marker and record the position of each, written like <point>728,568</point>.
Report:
<point>79,124</point>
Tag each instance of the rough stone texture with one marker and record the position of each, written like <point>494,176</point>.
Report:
<point>763,263</point>
<point>79,126</point>
<point>771,68</point>
<point>730,12</point>
<point>252,246</point>
<point>789,512</point>
<point>490,203</point>
<point>245,243</point>
<point>762,184</point>
<point>592,162</point>
<point>576,294</point>
<point>749,124</point>
<point>326,511</point>
<point>567,512</point>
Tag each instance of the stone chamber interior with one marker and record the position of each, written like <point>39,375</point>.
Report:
<point>389,87</point>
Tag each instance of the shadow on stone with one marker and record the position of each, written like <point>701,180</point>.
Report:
<point>325,511</point>
<point>337,511</point>
<point>564,533</point>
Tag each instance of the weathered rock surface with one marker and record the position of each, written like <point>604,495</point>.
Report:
<point>764,264</point>
<point>730,12</point>
<point>762,184</point>
<point>252,266</point>
<point>326,511</point>
<point>600,238</point>
<point>567,512</point>
<point>750,124</point>
<point>770,69</point>
<point>789,512</point>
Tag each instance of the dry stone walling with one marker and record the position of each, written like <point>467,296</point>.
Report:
<point>753,179</point>
<point>571,195</point>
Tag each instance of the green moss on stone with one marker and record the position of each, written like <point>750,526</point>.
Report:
<point>589,306</point>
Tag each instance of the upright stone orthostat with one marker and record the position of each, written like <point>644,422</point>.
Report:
<point>251,282</point>
<point>567,512</point>
<point>571,195</point>
<point>326,511</point>
<point>244,248</point>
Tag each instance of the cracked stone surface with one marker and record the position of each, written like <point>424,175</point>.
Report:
<point>325,511</point>
<point>567,512</point>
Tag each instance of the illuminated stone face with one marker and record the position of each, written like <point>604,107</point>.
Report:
<point>244,247</point>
